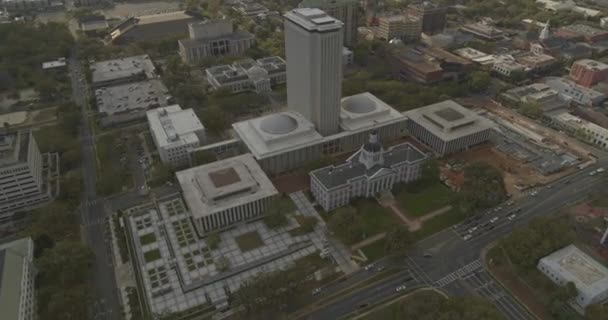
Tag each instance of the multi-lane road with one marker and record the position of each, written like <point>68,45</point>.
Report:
<point>92,208</point>
<point>449,262</point>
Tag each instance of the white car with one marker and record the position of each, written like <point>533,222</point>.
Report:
<point>400,288</point>
<point>316,291</point>
<point>511,217</point>
<point>467,237</point>
<point>592,173</point>
<point>493,219</point>
<point>533,193</point>
<point>600,170</point>
<point>510,203</point>
<point>473,229</point>
<point>369,266</point>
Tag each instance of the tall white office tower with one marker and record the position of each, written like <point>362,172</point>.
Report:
<point>313,48</point>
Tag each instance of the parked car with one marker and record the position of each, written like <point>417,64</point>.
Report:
<point>400,288</point>
<point>494,219</point>
<point>511,217</point>
<point>316,291</point>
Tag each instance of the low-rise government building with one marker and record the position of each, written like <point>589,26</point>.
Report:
<point>122,70</point>
<point>175,133</point>
<point>213,39</point>
<point>366,173</point>
<point>570,264</point>
<point>287,140</point>
<point>223,193</point>
<point>447,127</point>
<point>248,75</point>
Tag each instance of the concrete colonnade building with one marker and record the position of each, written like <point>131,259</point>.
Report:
<point>223,193</point>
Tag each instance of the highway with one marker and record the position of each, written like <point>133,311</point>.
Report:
<point>447,261</point>
<point>105,305</point>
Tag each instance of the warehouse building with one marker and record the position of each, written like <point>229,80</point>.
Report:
<point>447,127</point>
<point>223,193</point>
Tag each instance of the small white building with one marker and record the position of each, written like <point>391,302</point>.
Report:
<point>508,68</point>
<point>248,75</point>
<point>366,173</point>
<point>570,264</point>
<point>175,133</point>
<point>223,193</point>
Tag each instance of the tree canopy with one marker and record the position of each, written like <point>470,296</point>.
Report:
<point>483,187</point>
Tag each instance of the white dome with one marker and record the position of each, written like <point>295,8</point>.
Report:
<point>279,123</point>
<point>358,104</point>
<point>257,72</point>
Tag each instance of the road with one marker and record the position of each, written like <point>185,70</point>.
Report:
<point>92,208</point>
<point>447,261</point>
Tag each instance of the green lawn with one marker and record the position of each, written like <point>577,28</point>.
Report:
<point>249,241</point>
<point>423,201</point>
<point>375,250</point>
<point>152,255</point>
<point>147,239</point>
<point>439,223</point>
<point>376,219</point>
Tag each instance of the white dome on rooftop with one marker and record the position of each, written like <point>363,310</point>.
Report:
<point>279,123</point>
<point>358,104</point>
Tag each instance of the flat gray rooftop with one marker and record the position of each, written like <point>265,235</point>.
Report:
<point>335,176</point>
<point>137,96</point>
<point>313,19</point>
<point>448,120</point>
<point>123,68</point>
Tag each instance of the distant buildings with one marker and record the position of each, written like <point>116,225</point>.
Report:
<point>366,173</point>
<point>574,92</point>
<point>213,39</point>
<point>570,264</point>
<point>175,133</point>
<point>155,26</point>
<point>25,180</point>
<point>431,15</point>
<point>398,27</point>
<point>348,58</point>
<point>227,192</point>
<point>313,48</point>
<point>582,129</point>
<point>588,72</point>
<point>122,70</point>
<point>428,64</point>
<point>559,46</point>
<point>483,31</point>
<point>447,127</point>
<point>24,5</point>
<point>93,23</point>
<point>17,280</point>
<point>588,33</point>
<point>250,9</point>
<point>347,11</point>
<point>249,75</point>
<point>540,93</point>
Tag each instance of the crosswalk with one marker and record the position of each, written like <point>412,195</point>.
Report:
<point>458,274</point>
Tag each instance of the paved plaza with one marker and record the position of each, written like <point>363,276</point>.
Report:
<point>180,271</point>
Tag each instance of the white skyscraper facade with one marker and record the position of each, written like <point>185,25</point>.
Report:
<point>313,48</point>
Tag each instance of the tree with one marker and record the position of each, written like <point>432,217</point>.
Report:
<point>596,312</point>
<point>214,119</point>
<point>483,187</point>
<point>479,81</point>
<point>398,241</point>
<point>213,240</point>
<point>275,214</point>
<point>346,224</point>
<point>531,109</point>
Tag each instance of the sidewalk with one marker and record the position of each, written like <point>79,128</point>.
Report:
<point>339,251</point>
